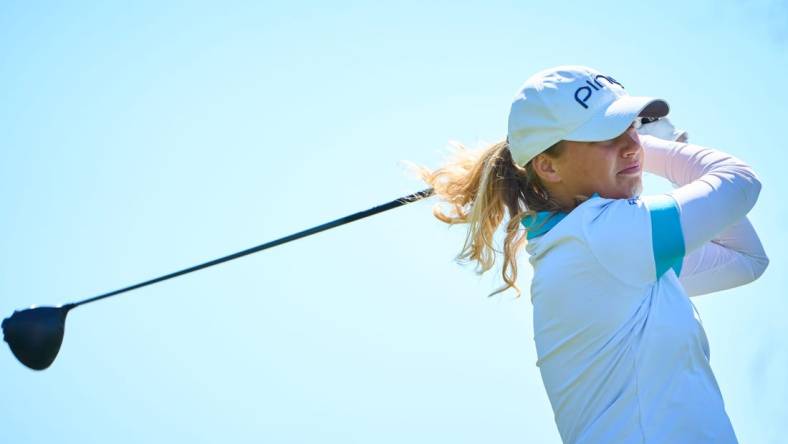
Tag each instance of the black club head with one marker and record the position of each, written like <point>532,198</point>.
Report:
<point>35,334</point>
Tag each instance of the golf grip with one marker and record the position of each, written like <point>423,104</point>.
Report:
<point>341,221</point>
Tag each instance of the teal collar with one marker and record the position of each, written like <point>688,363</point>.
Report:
<point>544,221</point>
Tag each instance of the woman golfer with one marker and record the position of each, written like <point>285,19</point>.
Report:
<point>621,354</point>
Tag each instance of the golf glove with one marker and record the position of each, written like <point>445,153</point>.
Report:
<point>660,128</point>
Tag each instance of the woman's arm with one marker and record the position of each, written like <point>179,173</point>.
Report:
<point>735,257</point>
<point>715,192</point>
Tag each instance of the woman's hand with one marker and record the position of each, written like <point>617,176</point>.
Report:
<point>661,128</point>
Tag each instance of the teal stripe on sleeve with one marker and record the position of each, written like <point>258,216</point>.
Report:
<point>666,236</point>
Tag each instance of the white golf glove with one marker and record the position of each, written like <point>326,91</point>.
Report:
<point>660,128</point>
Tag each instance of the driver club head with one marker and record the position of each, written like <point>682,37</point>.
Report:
<point>35,334</point>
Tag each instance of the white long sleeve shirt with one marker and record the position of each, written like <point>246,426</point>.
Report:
<point>622,356</point>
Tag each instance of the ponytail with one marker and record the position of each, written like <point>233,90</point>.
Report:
<point>481,187</point>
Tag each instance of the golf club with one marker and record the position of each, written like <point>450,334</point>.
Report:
<point>35,334</point>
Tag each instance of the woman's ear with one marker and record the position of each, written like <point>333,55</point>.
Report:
<point>545,167</point>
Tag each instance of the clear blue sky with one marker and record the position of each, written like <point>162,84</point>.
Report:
<point>141,139</point>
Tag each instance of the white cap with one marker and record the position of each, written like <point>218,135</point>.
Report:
<point>572,102</point>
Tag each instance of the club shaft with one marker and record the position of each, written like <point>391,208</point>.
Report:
<point>335,223</point>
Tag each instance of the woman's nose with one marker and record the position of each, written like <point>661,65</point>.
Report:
<point>632,145</point>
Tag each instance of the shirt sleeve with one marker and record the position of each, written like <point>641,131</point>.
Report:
<point>638,240</point>
<point>733,258</point>
<point>714,191</point>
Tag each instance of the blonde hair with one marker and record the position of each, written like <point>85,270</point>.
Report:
<point>481,187</point>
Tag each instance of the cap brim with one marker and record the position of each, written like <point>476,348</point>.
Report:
<point>612,121</point>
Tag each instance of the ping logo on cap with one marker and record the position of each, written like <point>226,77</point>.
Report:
<point>589,92</point>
